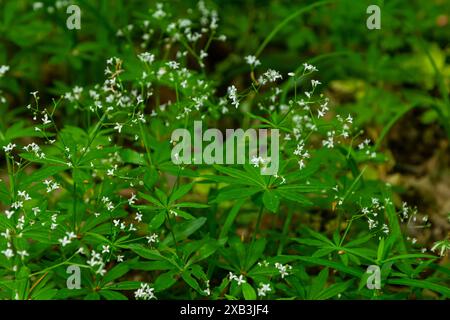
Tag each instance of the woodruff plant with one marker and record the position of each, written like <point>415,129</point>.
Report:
<point>100,192</point>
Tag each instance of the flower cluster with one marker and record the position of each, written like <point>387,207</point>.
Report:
<point>145,292</point>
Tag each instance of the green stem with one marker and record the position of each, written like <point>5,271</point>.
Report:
<point>287,222</point>
<point>74,203</point>
<point>11,178</point>
<point>258,224</point>
<point>283,23</point>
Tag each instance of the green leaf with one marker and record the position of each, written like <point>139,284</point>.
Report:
<point>22,283</point>
<point>327,263</point>
<point>183,214</point>
<point>271,201</point>
<point>323,252</point>
<point>45,294</point>
<point>334,290</point>
<point>152,265</point>
<point>180,192</point>
<point>112,295</point>
<point>116,272</point>
<point>240,176</point>
<point>184,230</point>
<point>165,281</point>
<point>310,242</point>
<point>40,175</point>
<point>424,284</point>
<point>359,240</point>
<point>380,252</point>
<point>320,237</point>
<point>248,291</point>
<point>150,199</point>
<point>161,196</point>
<point>131,156</point>
<point>126,285</point>
<point>187,277</point>
<point>294,196</point>
<point>255,252</point>
<point>192,205</point>
<point>410,256</point>
<point>92,296</point>
<point>226,194</point>
<point>149,254</point>
<point>318,283</point>
<point>205,251</point>
<point>230,218</point>
<point>157,220</point>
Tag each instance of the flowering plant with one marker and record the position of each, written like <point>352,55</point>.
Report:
<point>94,207</point>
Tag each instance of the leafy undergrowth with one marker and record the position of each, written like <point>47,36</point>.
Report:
<point>91,185</point>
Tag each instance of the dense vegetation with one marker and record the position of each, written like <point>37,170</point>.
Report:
<point>87,179</point>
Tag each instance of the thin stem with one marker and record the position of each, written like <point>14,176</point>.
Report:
<point>258,223</point>
<point>287,222</point>
<point>11,177</point>
<point>74,203</point>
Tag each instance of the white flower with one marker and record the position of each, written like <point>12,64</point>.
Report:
<point>71,235</point>
<point>301,164</point>
<point>24,195</point>
<point>231,276</point>
<point>153,238</point>
<point>349,119</point>
<point>51,185</point>
<point>270,76</point>
<point>64,241</point>
<point>173,212</point>
<point>146,57</point>
<point>45,120</point>
<point>8,253</point>
<point>17,205</point>
<point>329,142</point>
<point>9,214</point>
<point>3,70</point>
<point>173,64</point>
<point>314,83</point>
<point>6,234</point>
<point>283,269</point>
<point>37,5</point>
<point>9,147</point>
<point>105,249</point>
<point>159,13</point>
<point>263,263</point>
<point>232,94</point>
<point>132,200</point>
<point>203,54</point>
<point>442,245</point>
<point>240,280</point>
<point>118,127</point>
<point>309,67</point>
<point>145,292</point>
<point>257,161</point>
<point>138,217</point>
<point>252,61</point>
<point>22,253</point>
<point>264,288</point>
